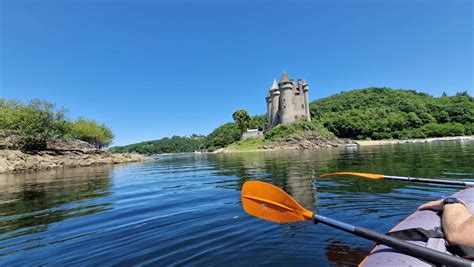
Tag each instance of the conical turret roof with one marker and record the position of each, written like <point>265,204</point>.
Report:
<point>274,85</point>
<point>284,77</point>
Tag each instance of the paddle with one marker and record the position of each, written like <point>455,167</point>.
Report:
<point>270,203</point>
<point>400,178</point>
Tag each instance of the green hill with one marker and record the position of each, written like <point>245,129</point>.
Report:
<point>384,113</point>
<point>175,144</point>
<point>372,113</point>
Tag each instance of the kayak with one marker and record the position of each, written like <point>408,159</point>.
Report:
<point>382,255</point>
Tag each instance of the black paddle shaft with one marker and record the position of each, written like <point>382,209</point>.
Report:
<point>427,254</point>
<point>430,181</point>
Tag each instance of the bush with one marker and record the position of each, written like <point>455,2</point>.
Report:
<point>434,130</point>
<point>34,123</point>
<point>222,136</point>
<point>37,122</point>
<point>90,131</point>
<point>469,128</point>
<point>446,129</point>
<point>280,131</point>
<point>300,126</point>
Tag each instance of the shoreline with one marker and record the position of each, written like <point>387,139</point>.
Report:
<point>16,161</point>
<point>413,141</point>
<point>361,143</point>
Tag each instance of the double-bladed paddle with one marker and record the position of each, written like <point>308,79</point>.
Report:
<point>400,178</point>
<point>268,202</point>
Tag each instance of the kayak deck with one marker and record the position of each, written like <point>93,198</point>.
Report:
<point>382,255</point>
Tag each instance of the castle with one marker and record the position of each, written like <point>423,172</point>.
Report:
<point>287,102</point>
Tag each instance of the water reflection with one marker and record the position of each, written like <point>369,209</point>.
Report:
<point>296,171</point>
<point>30,202</point>
<point>185,209</point>
<point>343,255</point>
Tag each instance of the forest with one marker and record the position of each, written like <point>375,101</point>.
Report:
<point>384,113</point>
<point>371,113</point>
<point>175,144</point>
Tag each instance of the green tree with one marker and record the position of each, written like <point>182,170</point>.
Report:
<point>222,136</point>
<point>258,122</point>
<point>175,144</point>
<point>380,113</point>
<point>34,123</point>
<point>98,135</point>
<point>242,119</point>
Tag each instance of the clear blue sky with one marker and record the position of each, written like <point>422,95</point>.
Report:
<point>151,69</point>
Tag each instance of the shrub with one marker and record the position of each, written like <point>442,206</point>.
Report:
<point>34,123</point>
<point>446,129</point>
<point>280,131</point>
<point>90,131</point>
<point>222,136</point>
<point>300,126</point>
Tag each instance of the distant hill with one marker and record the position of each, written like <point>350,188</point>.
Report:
<point>384,113</point>
<point>175,144</point>
<point>372,113</point>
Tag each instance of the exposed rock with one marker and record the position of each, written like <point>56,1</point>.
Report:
<point>8,140</point>
<point>60,153</point>
<point>18,161</point>
<point>308,140</point>
<point>70,145</point>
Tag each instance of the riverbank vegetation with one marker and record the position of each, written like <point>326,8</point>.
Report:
<point>366,114</point>
<point>35,123</point>
<point>175,144</point>
<point>384,113</point>
<point>246,145</point>
<point>300,126</point>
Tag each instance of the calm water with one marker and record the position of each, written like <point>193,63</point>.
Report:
<point>185,210</point>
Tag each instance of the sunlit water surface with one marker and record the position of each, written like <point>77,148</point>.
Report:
<point>186,209</point>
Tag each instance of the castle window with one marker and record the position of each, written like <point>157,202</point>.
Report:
<point>302,106</point>
<point>296,117</point>
<point>284,106</point>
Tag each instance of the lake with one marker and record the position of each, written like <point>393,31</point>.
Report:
<point>186,209</point>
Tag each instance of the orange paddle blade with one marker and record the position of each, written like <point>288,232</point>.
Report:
<point>268,202</point>
<point>360,174</point>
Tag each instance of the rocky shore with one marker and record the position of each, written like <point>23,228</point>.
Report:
<point>60,154</point>
<point>314,141</point>
<point>304,141</point>
<point>309,140</point>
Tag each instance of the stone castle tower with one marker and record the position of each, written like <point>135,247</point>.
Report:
<point>287,102</point>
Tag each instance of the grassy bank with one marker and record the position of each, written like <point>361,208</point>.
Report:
<point>246,145</point>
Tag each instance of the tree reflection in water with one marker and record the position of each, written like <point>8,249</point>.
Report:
<point>30,202</point>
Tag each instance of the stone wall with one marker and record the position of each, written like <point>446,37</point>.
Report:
<point>251,133</point>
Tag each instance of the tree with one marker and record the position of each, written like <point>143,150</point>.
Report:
<point>242,119</point>
<point>380,113</point>
<point>222,136</point>
<point>90,131</point>
<point>34,123</point>
<point>175,144</point>
<point>258,122</point>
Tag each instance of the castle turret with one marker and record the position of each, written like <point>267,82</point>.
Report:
<point>268,99</point>
<point>274,104</point>
<point>306,101</point>
<point>286,100</point>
